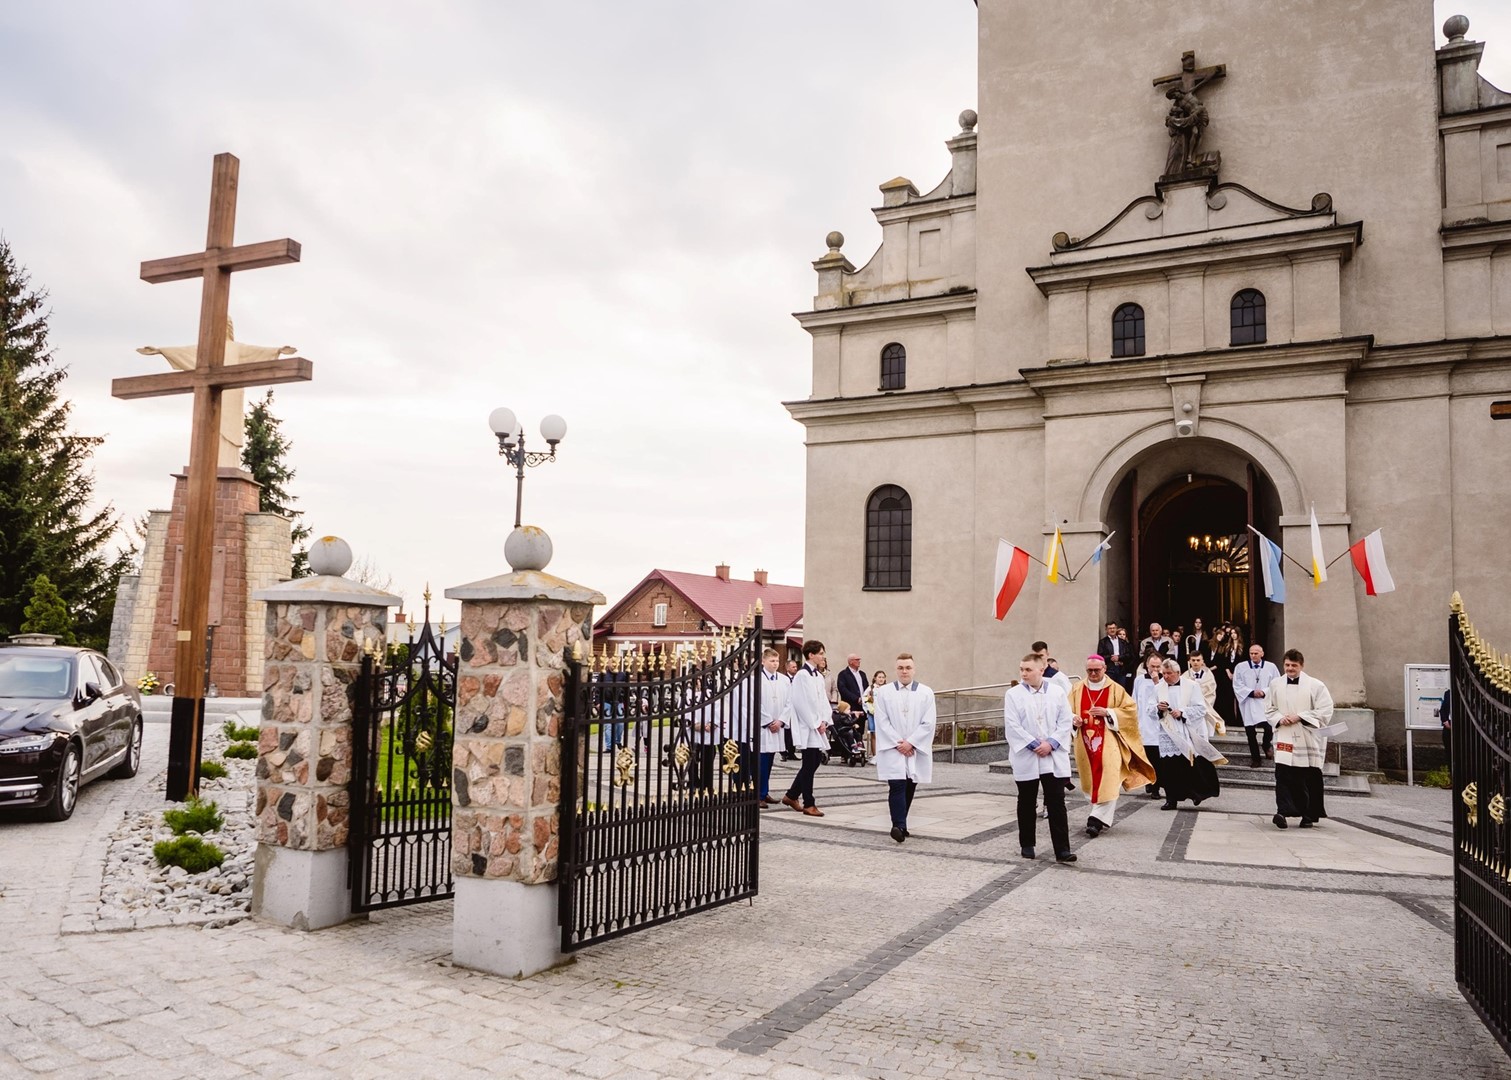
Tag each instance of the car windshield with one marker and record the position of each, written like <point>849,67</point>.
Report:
<point>35,676</point>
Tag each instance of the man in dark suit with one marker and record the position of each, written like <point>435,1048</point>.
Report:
<point>1116,652</point>
<point>853,684</point>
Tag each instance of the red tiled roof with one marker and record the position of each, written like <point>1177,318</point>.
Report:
<point>724,603</point>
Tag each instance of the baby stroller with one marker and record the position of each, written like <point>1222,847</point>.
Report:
<point>846,742</point>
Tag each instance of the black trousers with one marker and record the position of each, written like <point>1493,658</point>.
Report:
<point>900,800</point>
<point>1151,751</point>
<point>1298,793</point>
<point>1195,780</point>
<point>803,784</point>
<point>1253,733</point>
<point>789,752</point>
<point>1054,804</point>
<point>703,766</point>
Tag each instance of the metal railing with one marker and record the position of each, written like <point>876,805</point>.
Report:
<point>956,710</point>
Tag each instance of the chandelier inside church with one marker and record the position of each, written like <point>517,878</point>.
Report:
<point>1208,554</point>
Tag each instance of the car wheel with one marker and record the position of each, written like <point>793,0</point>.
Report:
<point>133,759</point>
<point>66,794</point>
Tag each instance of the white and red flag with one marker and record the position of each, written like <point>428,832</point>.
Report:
<point>1007,582</point>
<point>1369,559</point>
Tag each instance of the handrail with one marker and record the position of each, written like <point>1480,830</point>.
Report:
<point>956,716</point>
<point>968,689</point>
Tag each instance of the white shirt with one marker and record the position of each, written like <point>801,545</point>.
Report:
<point>905,714</point>
<point>776,689</point>
<point>1034,716</point>
<point>809,709</point>
<point>1248,677</point>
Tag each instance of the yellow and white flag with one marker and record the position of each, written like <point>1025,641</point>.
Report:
<point>1052,560</point>
<point>1319,562</point>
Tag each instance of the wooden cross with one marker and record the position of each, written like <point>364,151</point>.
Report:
<point>209,378</point>
<point>1190,78</point>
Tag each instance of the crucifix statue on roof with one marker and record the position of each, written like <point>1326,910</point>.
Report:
<point>1187,119</point>
<point>208,379</point>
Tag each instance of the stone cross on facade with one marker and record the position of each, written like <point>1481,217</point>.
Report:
<point>1187,119</point>
<point>207,381</point>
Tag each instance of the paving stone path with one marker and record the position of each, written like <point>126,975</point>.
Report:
<point>1155,955</point>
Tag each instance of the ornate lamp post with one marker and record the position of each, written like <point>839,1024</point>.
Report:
<point>511,447</point>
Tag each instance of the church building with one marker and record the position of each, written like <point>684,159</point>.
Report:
<point>1204,269</point>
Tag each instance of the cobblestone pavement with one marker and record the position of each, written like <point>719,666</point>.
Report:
<point>946,956</point>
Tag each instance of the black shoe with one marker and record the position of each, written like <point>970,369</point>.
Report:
<point>789,757</point>
<point>905,834</point>
<point>1305,824</point>
<point>1169,806</point>
<point>1094,828</point>
<point>1151,790</point>
<point>1254,763</point>
<point>1066,856</point>
<point>899,834</point>
<point>1027,853</point>
<point>1280,822</point>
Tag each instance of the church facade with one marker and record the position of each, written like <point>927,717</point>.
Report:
<point>1203,270</point>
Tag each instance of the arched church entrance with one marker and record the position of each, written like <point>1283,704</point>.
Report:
<point>1185,507</point>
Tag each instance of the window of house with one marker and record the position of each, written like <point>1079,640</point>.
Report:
<point>1248,318</point>
<point>658,616</point>
<point>894,367</point>
<point>889,539</point>
<point>1128,331</point>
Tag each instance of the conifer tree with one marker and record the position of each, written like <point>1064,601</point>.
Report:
<point>47,525</point>
<point>47,613</point>
<point>264,454</point>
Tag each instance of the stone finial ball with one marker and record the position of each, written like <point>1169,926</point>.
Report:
<point>968,120</point>
<point>330,555</point>
<point>528,548</point>
<point>1456,27</point>
<point>835,240</point>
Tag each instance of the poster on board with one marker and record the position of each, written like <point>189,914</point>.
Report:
<point>1425,684</point>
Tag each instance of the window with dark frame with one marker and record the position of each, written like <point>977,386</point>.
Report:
<point>889,539</point>
<point>894,367</point>
<point>1248,318</point>
<point>1128,331</point>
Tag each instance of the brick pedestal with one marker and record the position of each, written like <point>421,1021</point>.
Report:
<point>317,630</point>
<point>517,630</point>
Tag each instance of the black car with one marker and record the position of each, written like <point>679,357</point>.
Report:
<point>66,718</point>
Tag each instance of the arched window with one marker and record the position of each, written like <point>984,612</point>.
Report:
<point>1128,331</point>
<point>894,367</point>
<point>889,539</point>
<point>1248,318</point>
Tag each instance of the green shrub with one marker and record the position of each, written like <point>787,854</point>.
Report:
<point>237,733</point>
<point>211,770</point>
<point>196,816</point>
<point>244,750</point>
<point>190,852</point>
<point>1437,777</point>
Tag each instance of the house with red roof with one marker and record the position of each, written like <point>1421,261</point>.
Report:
<point>672,607</point>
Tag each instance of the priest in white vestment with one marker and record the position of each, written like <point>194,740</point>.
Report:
<point>1145,700</point>
<point>1036,717</point>
<point>776,688</point>
<point>1298,705</point>
<point>1251,686</point>
<point>905,718</point>
<point>1187,761</point>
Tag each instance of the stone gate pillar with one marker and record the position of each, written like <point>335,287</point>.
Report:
<point>317,630</point>
<point>517,630</point>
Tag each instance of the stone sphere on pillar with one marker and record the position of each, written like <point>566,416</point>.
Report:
<point>330,556</point>
<point>528,548</point>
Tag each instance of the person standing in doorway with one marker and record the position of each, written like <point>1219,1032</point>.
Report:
<point>905,719</point>
<point>1114,650</point>
<point>1298,705</point>
<point>809,711</point>
<point>1036,716</point>
<point>1251,686</point>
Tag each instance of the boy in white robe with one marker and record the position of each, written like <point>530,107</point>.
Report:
<point>808,715</point>
<point>776,688</point>
<point>1198,675</point>
<point>905,719</point>
<point>1036,717</point>
<point>1251,685</point>
<point>1299,705</point>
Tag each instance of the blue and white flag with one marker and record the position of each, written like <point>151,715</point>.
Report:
<point>1096,556</point>
<point>1269,563</point>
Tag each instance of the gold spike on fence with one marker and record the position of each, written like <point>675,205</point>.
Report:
<point>1494,665</point>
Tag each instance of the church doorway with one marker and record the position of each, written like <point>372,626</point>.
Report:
<point>1186,508</point>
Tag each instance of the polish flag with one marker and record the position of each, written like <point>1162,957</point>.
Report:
<point>1012,572</point>
<point>1369,559</point>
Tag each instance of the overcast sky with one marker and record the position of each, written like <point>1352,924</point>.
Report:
<point>603,209</point>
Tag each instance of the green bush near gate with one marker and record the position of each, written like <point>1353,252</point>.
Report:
<point>196,817</point>
<point>243,750</point>
<point>241,733</point>
<point>1437,778</point>
<point>211,770</point>
<point>189,852</point>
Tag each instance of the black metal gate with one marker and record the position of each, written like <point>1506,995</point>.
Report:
<point>400,835</point>
<point>659,811</point>
<point>1481,766</point>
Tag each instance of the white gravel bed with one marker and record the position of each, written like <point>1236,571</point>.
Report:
<point>136,893</point>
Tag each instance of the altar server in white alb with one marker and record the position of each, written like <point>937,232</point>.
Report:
<point>1037,719</point>
<point>1299,705</point>
<point>1251,685</point>
<point>1187,763</point>
<point>776,688</point>
<point>904,741</point>
<point>808,714</point>
<point>1201,677</point>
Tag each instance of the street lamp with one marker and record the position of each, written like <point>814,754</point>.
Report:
<point>511,447</point>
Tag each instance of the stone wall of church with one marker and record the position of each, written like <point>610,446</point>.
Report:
<point>133,659</point>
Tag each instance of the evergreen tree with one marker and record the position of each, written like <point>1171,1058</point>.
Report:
<point>47,613</point>
<point>264,455</point>
<point>46,523</point>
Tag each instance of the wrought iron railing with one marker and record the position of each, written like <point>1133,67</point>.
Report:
<point>969,716</point>
<point>1480,683</point>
